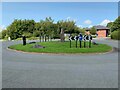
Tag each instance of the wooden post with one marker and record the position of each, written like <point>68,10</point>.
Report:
<point>80,44</point>
<point>70,43</point>
<point>84,43</point>
<point>89,43</point>
<point>76,43</point>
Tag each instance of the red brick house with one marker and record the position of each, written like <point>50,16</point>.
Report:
<point>102,31</point>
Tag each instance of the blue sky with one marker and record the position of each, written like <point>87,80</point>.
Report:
<point>85,14</point>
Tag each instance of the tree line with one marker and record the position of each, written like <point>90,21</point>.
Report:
<point>44,28</point>
<point>47,28</point>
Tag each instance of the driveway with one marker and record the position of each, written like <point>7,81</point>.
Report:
<point>24,70</point>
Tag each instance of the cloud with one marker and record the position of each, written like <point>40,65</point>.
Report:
<point>90,26</point>
<point>105,22</point>
<point>69,18</point>
<point>87,22</point>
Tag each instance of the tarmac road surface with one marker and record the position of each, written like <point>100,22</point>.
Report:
<point>25,70</point>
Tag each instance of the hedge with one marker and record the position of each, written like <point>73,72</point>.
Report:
<point>115,35</point>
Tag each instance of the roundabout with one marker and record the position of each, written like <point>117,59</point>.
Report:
<point>28,70</point>
<point>57,47</point>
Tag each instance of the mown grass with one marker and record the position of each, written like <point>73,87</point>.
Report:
<point>62,47</point>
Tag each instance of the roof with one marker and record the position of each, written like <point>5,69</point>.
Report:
<point>100,27</point>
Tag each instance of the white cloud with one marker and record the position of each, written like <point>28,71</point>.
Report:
<point>105,22</point>
<point>69,18</point>
<point>87,22</point>
<point>90,26</point>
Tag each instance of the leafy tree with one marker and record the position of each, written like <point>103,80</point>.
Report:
<point>93,31</point>
<point>68,26</point>
<point>110,24</point>
<point>116,25</point>
<point>115,28</point>
<point>82,30</point>
<point>18,27</point>
<point>27,34</point>
<point>3,34</point>
<point>43,28</point>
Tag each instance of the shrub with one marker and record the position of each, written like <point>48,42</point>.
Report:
<point>115,35</point>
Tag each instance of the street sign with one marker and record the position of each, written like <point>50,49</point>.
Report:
<point>90,37</point>
<point>76,38</point>
<point>80,37</point>
<point>85,37</point>
<point>70,38</point>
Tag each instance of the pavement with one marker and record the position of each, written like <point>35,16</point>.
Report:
<point>26,70</point>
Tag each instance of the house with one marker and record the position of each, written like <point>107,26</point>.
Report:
<point>102,31</point>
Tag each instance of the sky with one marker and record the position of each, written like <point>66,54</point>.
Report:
<point>85,14</point>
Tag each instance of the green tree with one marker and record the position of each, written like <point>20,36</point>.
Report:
<point>110,24</point>
<point>116,25</point>
<point>67,25</point>
<point>19,27</point>
<point>82,30</point>
<point>3,34</point>
<point>93,31</point>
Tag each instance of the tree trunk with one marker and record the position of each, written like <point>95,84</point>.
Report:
<point>62,35</point>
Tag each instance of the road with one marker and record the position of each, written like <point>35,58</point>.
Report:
<point>25,70</point>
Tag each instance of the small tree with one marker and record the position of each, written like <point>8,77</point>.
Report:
<point>93,31</point>
<point>3,34</point>
<point>82,30</point>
